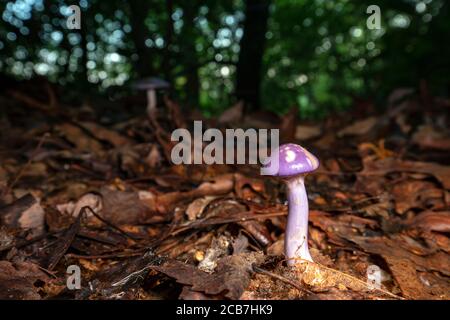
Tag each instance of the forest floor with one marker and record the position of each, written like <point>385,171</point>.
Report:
<point>78,188</point>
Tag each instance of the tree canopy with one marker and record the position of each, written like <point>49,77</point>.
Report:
<point>318,55</point>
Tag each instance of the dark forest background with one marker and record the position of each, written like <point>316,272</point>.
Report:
<point>316,55</point>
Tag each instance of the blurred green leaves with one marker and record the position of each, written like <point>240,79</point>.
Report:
<point>319,54</point>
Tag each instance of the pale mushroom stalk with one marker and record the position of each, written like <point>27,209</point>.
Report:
<point>151,85</point>
<point>151,101</point>
<point>296,236</point>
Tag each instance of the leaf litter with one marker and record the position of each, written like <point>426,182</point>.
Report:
<point>104,196</point>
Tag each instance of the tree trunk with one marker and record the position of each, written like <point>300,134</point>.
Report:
<point>248,74</point>
<point>167,59</point>
<point>82,69</point>
<point>139,10</point>
<point>188,38</point>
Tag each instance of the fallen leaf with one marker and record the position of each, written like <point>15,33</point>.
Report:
<point>128,207</point>
<point>407,277</point>
<point>432,221</point>
<point>91,200</point>
<point>359,127</point>
<point>25,213</point>
<point>230,279</point>
<point>258,231</point>
<point>196,207</point>
<point>411,194</point>
<point>304,132</point>
<point>102,133</point>
<point>79,139</point>
<point>429,137</point>
<point>123,276</point>
<point>18,281</point>
<point>389,165</point>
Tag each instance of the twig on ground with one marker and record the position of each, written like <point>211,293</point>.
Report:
<point>281,278</point>
<point>126,234</point>
<point>22,171</point>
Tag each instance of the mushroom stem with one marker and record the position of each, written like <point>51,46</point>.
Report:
<point>151,101</point>
<point>296,237</point>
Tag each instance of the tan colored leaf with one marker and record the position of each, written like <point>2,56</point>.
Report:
<point>359,127</point>
<point>304,132</point>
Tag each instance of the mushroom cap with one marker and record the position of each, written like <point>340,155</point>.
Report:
<point>151,83</point>
<point>293,160</point>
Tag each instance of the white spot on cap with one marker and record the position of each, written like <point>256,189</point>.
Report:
<point>290,156</point>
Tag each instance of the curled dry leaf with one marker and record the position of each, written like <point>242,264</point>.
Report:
<point>276,248</point>
<point>432,221</point>
<point>24,213</point>
<point>91,200</point>
<point>196,207</point>
<point>258,231</point>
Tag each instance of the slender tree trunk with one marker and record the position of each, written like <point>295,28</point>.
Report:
<point>190,58</point>
<point>249,73</point>
<point>84,58</point>
<point>139,10</point>
<point>167,63</point>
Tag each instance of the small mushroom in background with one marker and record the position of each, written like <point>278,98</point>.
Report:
<point>151,85</point>
<point>294,163</point>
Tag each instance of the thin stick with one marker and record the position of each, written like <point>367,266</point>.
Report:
<point>66,242</point>
<point>30,160</point>
<point>23,243</point>
<point>107,256</point>
<point>249,215</point>
<point>110,224</point>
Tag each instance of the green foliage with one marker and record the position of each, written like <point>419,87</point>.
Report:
<point>319,54</point>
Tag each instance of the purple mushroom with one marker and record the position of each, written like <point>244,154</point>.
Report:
<point>294,163</point>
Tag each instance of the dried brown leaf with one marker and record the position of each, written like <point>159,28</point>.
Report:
<point>18,280</point>
<point>230,279</point>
